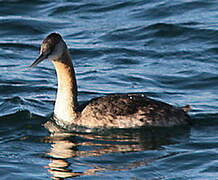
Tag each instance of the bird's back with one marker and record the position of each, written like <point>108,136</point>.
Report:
<point>130,110</point>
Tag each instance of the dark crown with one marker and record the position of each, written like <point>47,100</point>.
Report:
<point>52,38</point>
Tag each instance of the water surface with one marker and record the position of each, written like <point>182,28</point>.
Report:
<point>166,49</point>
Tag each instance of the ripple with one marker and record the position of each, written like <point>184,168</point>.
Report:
<point>68,8</point>
<point>161,10</point>
<point>127,34</point>
<point>27,25</point>
<point>165,49</point>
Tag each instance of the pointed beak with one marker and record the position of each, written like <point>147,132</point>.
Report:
<point>38,60</point>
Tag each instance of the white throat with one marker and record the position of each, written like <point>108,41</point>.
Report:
<point>66,100</point>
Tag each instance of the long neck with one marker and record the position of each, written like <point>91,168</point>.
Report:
<point>66,100</point>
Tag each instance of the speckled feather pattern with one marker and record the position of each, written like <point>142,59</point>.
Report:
<point>130,110</point>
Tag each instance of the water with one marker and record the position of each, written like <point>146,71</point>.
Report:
<point>166,49</point>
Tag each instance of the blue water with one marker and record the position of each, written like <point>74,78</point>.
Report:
<point>166,49</point>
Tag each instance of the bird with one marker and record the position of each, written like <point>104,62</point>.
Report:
<point>131,110</point>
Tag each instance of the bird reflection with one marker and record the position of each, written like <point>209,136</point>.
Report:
<point>70,148</point>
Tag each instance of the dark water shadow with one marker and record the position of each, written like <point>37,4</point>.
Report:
<point>205,119</point>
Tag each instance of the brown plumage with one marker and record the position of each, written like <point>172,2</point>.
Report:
<point>116,110</point>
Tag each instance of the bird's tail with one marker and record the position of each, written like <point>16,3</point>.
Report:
<point>186,108</point>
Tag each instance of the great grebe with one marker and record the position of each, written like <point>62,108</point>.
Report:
<point>111,111</point>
